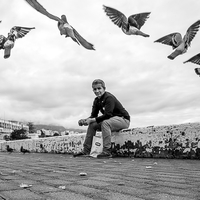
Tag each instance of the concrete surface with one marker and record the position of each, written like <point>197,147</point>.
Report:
<point>57,176</point>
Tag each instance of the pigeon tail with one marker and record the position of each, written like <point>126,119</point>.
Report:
<point>145,35</point>
<point>174,54</point>
<point>138,32</point>
<point>7,52</point>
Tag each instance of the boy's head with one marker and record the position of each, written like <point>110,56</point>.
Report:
<point>98,87</point>
<point>99,81</point>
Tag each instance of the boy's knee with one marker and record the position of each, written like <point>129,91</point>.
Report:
<point>105,123</point>
<point>93,124</point>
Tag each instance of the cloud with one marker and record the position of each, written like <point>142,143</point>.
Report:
<point>48,77</point>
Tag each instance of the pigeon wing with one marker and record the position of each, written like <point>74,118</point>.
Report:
<point>116,17</point>
<point>191,32</point>
<point>173,39</point>
<point>197,71</point>
<point>195,59</point>
<point>82,41</point>
<point>2,41</point>
<point>140,18</point>
<point>19,31</point>
<point>37,6</point>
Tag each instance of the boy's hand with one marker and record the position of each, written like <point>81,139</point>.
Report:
<point>82,122</point>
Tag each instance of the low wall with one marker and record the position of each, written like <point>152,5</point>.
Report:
<point>174,141</point>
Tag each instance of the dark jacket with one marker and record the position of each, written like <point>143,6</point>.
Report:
<point>109,106</point>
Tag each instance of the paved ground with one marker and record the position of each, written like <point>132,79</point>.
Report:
<point>57,176</point>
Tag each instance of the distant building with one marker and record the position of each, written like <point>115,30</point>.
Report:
<point>8,126</point>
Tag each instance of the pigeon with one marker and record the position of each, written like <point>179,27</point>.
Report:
<point>2,41</point>
<point>197,71</point>
<point>7,43</point>
<point>10,150</point>
<point>179,44</point>
<point>64,27</point>
<point>24,150</point>
<point>195,59</point>
<point>130,26</point>
<point>43,148</point>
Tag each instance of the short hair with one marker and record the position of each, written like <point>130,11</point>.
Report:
<point>99,81</point>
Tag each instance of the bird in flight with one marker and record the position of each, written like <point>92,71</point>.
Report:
<point>130,25</point>
<point>195,59</point>
<point>180,45</point>
<point>197,71</point>
<point>64,27</point>
<point>7,43</point>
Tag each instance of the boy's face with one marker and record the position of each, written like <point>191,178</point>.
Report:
<point>98,90</point>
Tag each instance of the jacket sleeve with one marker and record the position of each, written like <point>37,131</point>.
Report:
<point>108,109</point>
<point>95,109</point>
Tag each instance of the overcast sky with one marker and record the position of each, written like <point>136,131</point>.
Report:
<point>48,77</point>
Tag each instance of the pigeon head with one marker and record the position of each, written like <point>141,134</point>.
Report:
<point>63,17</point>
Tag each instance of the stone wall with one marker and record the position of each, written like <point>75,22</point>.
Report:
<point>174,141</point>
<point>57,144</point>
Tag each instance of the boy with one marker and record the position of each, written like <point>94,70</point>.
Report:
<point>114,118</point>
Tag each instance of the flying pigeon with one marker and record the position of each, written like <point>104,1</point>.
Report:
<point>7,43</point>
<point>130,26</point>
<point>2,41</point>
<point>195,59</point>
<point>64,27</point>
<point>177,42</point>
<point>197,71</point>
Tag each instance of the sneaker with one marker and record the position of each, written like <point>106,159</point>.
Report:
<point>81,153</point>
<point>104,154</point>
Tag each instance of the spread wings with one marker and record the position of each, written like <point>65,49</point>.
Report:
<point>191,32</point>
<point>37,6</point>
<point>173,39</point>
<point>140,18</point>
<point>19,31</point>
<point>116,17</point>
<point>195,59</point>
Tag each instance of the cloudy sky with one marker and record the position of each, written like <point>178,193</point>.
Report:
<point>48,77</point>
